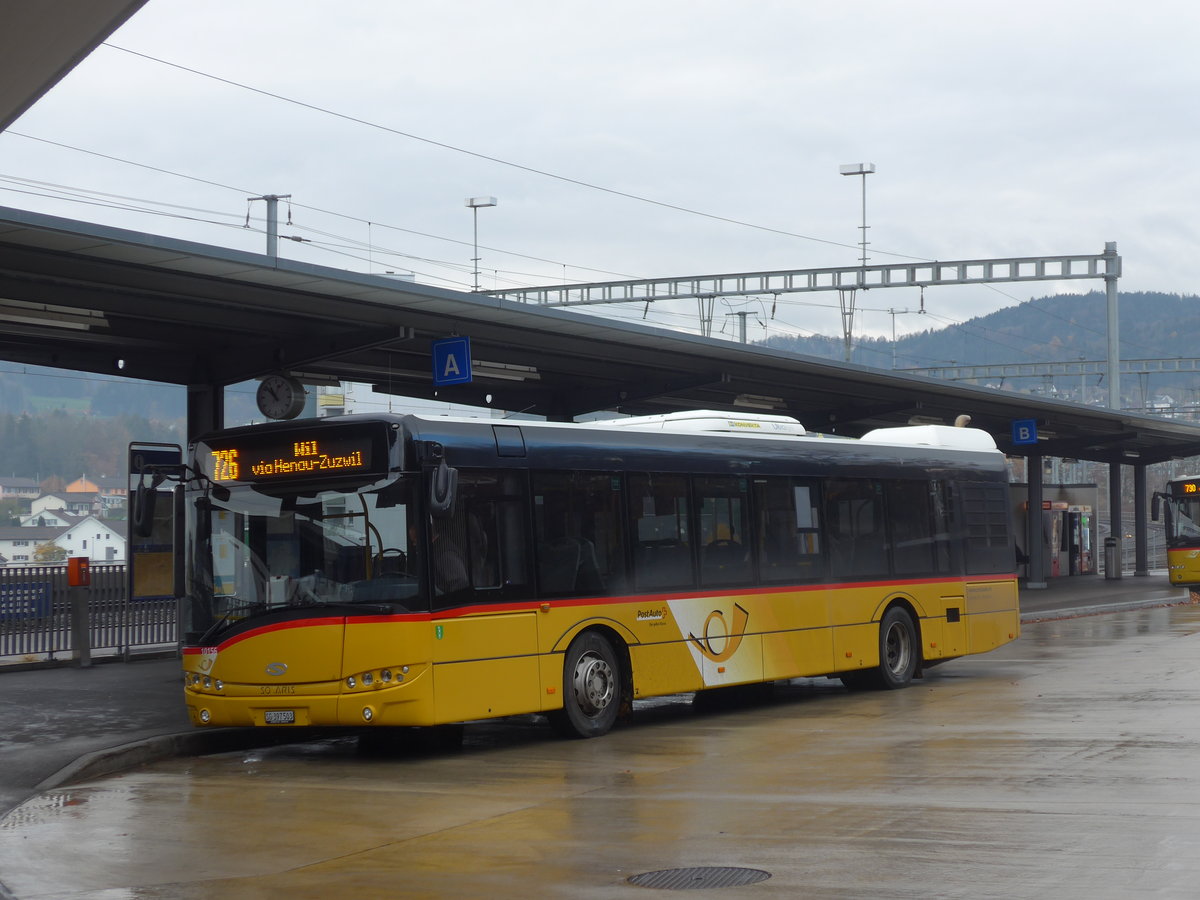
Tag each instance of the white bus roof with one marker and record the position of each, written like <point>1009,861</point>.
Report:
<point>706,421</point>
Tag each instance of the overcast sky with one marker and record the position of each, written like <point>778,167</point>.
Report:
<point>1021,129</point>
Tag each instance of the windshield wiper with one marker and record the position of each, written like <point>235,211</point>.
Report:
<point>244,610</point>
<point>350,606</point>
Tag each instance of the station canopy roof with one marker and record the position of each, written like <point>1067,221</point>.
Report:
<point>99,299</point>
<point>42,41</point>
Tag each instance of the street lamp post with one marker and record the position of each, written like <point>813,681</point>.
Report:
<point>475,203</point>
<point>846,296</point>
<point>863,169</point>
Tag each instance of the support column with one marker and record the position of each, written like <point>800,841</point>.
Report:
<point>1140,555</point>
<point>1036,548</point>
<point>1112,272</point>
<point>81,631</point>
<point>1116,528</point>
<point>205,409</point>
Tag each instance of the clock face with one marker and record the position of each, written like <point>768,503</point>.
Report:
<point>280,397</point>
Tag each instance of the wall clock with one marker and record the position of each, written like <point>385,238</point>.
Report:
<point>280,397</point>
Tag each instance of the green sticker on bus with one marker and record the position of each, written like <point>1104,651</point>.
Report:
<point>437,630</point>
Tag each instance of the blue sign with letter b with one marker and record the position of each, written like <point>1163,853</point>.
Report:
<point>1024,431</point>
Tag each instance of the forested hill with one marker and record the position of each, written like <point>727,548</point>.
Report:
<point>1061,328</point>
<point>70,445</point>
<point>34,390</point>
<point>55,422</point>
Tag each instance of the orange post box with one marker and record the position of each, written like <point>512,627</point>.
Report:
<point>79,573</point>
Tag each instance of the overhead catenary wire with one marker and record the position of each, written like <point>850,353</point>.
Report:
<point>372,250</point>
<point>357,219</point>
<point>679,321</point>
<point>578,182</point>
<point>343,249</point>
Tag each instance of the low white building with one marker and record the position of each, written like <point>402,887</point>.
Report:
<point>50,518</point>
<point>101,541</point>
<point>77,504</point>
<point>21,488</point>
<point>17,544</point>
<point>94,538</point>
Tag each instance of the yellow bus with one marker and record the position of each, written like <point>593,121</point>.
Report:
<point>1181,499</point>
<point>380,571</point>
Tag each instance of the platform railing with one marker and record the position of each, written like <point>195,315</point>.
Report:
<point>35,616</point>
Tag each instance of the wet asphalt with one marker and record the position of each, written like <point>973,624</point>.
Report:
<point>63,724</point>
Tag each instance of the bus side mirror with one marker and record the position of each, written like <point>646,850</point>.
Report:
<point>443,488</point>
<point>143,509</point>
<point>1155,502</point>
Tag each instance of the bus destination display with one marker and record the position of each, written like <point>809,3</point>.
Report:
<point>294,456</point>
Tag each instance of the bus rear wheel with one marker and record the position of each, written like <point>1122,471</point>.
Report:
<point>897,649</point>
<point>898,654</point>
<point>592,688</point>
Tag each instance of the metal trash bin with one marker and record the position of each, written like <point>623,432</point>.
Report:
<point>1112,558</point>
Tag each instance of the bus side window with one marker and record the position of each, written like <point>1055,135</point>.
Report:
<point>789,529</point>
<point>662,547</point>
<point>855,527</point>
<point>945,557</point>
<point>725,551</point>
<point>480,551</point>
<point>988,535</point>
<point>910,518</point>
<point>578,533</point>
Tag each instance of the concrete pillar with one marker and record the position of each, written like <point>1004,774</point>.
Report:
<point>1141,564</point>
<point>1116,527</point>
<point>1033,526</point>
<point>81,634</point>
<point>205,409</point>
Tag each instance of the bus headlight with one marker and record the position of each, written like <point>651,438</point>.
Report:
<point>351,682</point>
<point>205,716</point>
<point>368,679</point>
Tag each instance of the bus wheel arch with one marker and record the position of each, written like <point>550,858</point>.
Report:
<point>597,684</point>
<point>900,657</point>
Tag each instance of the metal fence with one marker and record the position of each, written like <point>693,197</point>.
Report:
<point>36,616</point>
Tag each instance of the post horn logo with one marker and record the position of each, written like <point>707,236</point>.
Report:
<point>731,637</point>
<point>276,669</point>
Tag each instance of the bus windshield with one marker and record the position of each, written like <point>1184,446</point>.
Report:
<point>1183,520</point>
<point>254,553</point>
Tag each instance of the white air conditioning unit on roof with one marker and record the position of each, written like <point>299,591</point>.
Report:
<point>944,436</point>
<point>708,421</point>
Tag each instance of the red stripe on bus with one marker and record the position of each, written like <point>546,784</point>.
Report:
<point>534,605</point>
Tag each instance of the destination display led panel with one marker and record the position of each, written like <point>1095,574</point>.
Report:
<point>295,455</point>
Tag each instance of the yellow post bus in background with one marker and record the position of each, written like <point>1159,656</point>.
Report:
<point>1179,505</point>
<point>379,571</point>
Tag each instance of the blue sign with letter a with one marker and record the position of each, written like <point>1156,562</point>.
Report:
<point>451,361</point>
<point>1024,431</point>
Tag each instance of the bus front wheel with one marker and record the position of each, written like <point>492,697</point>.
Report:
<point>591,688</point>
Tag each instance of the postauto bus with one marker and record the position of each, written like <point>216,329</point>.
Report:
<point>380,571</point>
<point>1179,504</point>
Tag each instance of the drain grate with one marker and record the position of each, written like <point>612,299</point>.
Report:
<point>699,878</point>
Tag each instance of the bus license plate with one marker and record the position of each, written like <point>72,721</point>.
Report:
<point>280,716</point>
